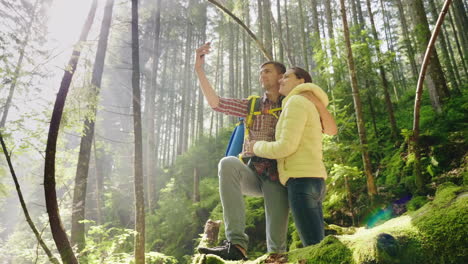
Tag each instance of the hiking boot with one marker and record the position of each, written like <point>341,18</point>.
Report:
<point>227,251</point>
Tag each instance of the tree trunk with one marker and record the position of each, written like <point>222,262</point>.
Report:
<point>419,177</point>
<point>457,42</point>
<point>383,76</point>
<point>280,30</point>
<point>444,49</point>
<point>81,178</point>
<point>303,35</point>
<point>196,185</point>
<point>19,66</point>
<point>58,232</point>
<point>23,205</point>
<point>406,39</point>
<point>138,165</point>
<point>461,20</point>
<point>267,26</point>
<point>288,45</point>
<point>423,33</point>
<point>371,188</point>
<point>245,55</point>
<point>150,110</point>
<point>354,13</point>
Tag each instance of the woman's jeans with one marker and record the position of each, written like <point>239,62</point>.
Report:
<point>305,200</point>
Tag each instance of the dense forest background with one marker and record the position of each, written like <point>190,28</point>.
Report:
<point>134,102</point>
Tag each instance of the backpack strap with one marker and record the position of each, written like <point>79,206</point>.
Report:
<point>253,110</point>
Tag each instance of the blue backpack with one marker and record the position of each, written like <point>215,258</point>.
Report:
<point>241,131</point>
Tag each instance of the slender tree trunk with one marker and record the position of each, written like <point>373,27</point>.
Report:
<point>461,20</point>
<point>137,127</point>
<point>439,88</point>
<point>280,30</point>
<point>150,110</point>
<point>303,35</point>
<point>288,33</point>
<point>81,178</point>
<point>443,47</point>
<point>457,42</point>
<point>371,188</point>
<point>267,26</point>
<point>383,76</point>
<point>354,13</point>
<point>23,205</point>
<point>183,121</point>
<point>19,65</point>
<point>196,185</point>
<point>419,177</point>
<point>245,55</point>
<point>58,232</point>
<point>453,61</point>
<point>406,39</point>
<point>99,186</point>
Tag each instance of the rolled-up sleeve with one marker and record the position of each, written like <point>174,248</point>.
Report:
<point>233,107</point>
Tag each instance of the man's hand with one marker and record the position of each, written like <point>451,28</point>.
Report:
<point>248,148</point>
<point>200,55</point>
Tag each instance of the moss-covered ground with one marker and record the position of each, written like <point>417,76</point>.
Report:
<point>437,233</point>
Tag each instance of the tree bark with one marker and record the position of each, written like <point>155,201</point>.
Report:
<point>443,47</point>
<point>421,28</point>
<point>457,42</point>
<point>420,179</point>
<point>23,204</point>
<point>280,31</point>
<point>406,39</point>
<point>303,35</point>
<point>383,76</point>
<point>196,185</point>
<point>267,26</point>
<point>58,232</point>
<point>138,165</point>
<point>18,66</point>
<point>81,178</point>
<point>371,188</point>
<point>150,110</point>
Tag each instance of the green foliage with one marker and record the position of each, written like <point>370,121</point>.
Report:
<point>106,244</point>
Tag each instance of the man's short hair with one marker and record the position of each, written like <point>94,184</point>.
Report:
<point>280,68</point>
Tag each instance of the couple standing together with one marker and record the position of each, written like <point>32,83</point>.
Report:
<point>281,161</point>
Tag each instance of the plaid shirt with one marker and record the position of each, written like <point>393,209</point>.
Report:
<point>263,127</point>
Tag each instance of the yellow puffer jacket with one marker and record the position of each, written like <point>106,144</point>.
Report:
<point>298,145</point>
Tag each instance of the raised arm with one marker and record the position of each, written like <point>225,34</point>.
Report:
<point>207,89</point>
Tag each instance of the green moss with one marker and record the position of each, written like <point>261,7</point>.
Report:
<point>434,234</point>
<point>443,225</point>
<point>330,250</point>
<point>416,203</point>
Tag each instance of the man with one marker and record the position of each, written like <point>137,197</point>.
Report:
<point>258,178</point>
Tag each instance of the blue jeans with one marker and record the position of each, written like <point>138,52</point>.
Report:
<point>305,200</point>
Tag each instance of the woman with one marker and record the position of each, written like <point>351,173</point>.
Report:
<point>298,149</point>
